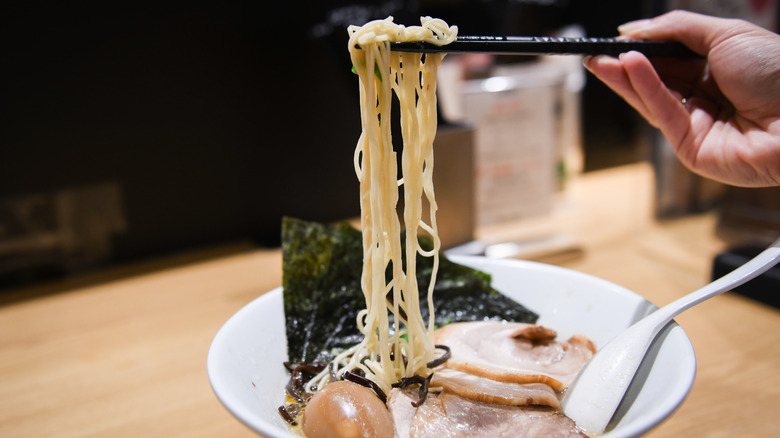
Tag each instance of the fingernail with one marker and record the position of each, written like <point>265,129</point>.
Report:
<point>633,26</point>
<point>585,61</point>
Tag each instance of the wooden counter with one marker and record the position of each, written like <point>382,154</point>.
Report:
<point>122,353</point>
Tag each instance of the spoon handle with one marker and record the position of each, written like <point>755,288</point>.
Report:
<point>753,268</point>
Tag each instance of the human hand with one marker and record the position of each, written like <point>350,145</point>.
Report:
<point>722,113</point>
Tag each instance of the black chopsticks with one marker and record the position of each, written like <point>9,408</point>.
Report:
<point>535,45</point>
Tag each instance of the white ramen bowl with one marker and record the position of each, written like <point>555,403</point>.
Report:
<point>245,359</point>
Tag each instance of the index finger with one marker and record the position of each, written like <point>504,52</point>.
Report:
<point>662,105</point>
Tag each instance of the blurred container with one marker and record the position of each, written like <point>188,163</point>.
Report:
<point>453,178</point>
<point>528,128</point>
<point>515,118</point>
<point>678,190</point>
<point>49,234</point>
<point>749,216</point>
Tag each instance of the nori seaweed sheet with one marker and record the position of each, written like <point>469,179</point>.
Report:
<point>322,266</point>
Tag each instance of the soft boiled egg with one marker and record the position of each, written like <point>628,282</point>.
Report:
<point>346,410</point>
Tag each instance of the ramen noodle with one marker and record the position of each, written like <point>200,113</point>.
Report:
<point>397,341</point>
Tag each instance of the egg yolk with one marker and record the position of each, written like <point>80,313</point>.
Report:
<point>346,410</point>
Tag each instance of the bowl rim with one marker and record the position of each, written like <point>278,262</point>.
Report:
<point>637,427</point>
<point>220,386</point>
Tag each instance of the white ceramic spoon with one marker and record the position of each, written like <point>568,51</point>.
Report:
<point>595,394</point>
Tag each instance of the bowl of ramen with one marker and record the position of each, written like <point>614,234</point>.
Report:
<point>245,361</point>
<point>377,334</point>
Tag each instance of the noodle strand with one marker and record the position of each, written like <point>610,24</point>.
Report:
<point>397,342</point>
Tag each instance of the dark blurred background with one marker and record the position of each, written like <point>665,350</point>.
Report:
<point>131,131</point>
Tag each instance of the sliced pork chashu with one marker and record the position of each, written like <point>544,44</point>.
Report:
<point>514,352</point>
<point>448,415</point>
<point>492,391</point>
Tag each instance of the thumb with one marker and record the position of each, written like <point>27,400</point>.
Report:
<point>698,32</point>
